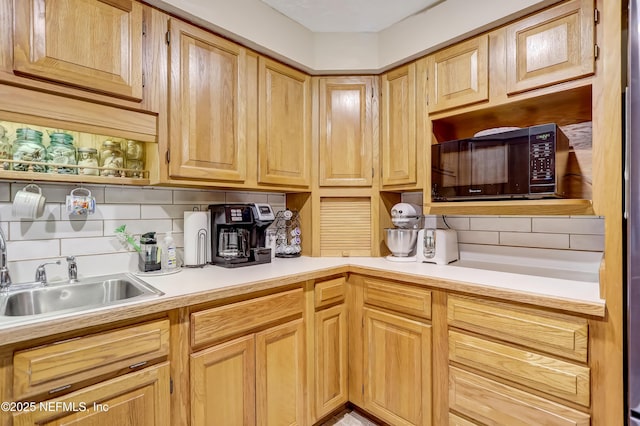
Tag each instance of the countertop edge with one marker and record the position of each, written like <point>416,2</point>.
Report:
<point>106,315</point>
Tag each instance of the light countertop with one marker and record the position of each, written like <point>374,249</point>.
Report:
<point>190,286</point>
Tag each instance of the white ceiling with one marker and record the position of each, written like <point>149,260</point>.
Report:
<point>346,16</point>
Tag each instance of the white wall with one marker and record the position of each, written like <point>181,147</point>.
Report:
<point>256,25</point>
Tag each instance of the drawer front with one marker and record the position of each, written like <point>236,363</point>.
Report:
<point>216,324</point>
<point>398,297</point>
<point>328,292</point>
<point>553,376</point>
<point>58,366</point>
<point>494,403</point>
<point>557,334</point>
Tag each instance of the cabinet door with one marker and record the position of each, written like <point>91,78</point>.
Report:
<point>551,46</point>
<point>223,384</point>
<point>398,117</point>
<point>208,105</point>
<point>96,45</point>
<point>397,368</point>
<point>280,375</point>
<point>284,124</point>
<point>459,75</point>
<point>331,360</point>
<point>346,131</point>
<point>135,399</point>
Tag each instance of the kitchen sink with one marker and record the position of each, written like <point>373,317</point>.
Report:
<point>87,293</point>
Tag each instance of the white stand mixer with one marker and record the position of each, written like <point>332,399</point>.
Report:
<point>402,239</point>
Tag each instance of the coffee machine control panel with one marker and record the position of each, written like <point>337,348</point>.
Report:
<point>238,214</point>
<point>264,212</point>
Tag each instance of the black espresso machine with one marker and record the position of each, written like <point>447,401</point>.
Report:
<point>238,234</point>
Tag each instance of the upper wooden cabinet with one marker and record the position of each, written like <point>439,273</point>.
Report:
<point>94,45</point>
<point>208,105</point>
<point>459,75</point>
<point>550,47</point>
<point>398,124</point>
<point>284,124</point>
<point>345,156</point>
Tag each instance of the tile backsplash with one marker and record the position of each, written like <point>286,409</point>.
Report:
<point>583,233</point>
<point>91,239</point>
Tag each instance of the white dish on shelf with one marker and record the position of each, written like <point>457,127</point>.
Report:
<point>494,131</point>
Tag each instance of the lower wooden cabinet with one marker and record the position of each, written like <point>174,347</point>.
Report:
<point>397,368</point>
<point>135,399</point>
<point>255,379</point>
<point>331,357</point>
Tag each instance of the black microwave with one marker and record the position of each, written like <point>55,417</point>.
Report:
<point>527,163</point>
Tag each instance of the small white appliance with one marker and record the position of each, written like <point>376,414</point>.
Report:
<point>402,239</point>
<point>438,246</point>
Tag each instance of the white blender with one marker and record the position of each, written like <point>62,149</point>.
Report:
<point>402,239</point>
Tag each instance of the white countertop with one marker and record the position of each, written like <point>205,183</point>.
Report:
<point>195,285</point>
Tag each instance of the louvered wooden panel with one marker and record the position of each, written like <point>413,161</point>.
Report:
<point>345,226</point>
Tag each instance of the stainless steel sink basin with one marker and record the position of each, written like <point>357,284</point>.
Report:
<point>87,293</point>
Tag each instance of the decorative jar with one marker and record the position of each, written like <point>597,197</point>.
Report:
<point>88,161</point>
<point>61,152</point>
<point>111,156</point>
<point>5,149</point>
<point>28,148</point>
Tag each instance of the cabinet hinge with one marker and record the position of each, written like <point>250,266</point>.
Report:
<point>373,172</point>
<point>167,37</point>
<point>167,156</point>
<point>170,385</point>
<point>596,16</point>
<point>144,27</point>
<point>596,51</point>
<point>143,80</point>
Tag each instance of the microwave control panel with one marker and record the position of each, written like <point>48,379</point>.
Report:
<point>542,156</point>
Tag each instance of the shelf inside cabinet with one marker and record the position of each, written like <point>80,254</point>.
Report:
<point>56,177</point>
<point>564,107</point>
<point>563,207</point>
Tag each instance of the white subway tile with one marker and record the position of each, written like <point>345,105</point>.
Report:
<point>165,211</point>
<point>183,196</point>
<point>586,242</point>
<point>246,197</point>
<point>412,198</point>
<point>25,250</point>
<point>57,193</point>
<point>5,191</point>
<point>95,245</point>
<point>40,230</point>
<point>51,212</point>
<point>178,225</point>
<point>460,223</point>
<point>24,271</point>
<point>513,224</point>
<point>589,225</point>
<point>478,237</point>
<point>277,199</point>
<point>539,240</point>
<point>136,227</point>
<point>138,195</point>
<point>111,263</point>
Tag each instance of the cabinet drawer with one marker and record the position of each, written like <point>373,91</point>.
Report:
<point>398,297</point>
<point>330,291</point>
<point>554,333</point>
<point>553,376</point>
<point>216,324</point>
<point>57,366</point>
<point>490,402</point>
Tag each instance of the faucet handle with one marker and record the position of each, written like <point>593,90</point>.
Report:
<point>72,269</point>
<point>41,273</point>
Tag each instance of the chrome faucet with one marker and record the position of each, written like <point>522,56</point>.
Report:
<point>73,269</point>
<point>5,278</point>
<point>41,273</point>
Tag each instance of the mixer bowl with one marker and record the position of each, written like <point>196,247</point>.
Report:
<point>401,241</point>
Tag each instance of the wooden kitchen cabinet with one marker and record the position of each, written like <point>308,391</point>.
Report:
<point>96,46</point>
<point>550,47</point>
<point>259,376</point>
<point>284,125</point>
<point>459,75</point>
<point>208,106</point>
<point>140,398</point>
<point>346,121</point>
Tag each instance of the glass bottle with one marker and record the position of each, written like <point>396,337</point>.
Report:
<point>135,159</point>
<point>87,160</point>
<point>28,148</point>
<point>60,152</point>
<point>5,149</point>
<point>111,156</point>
